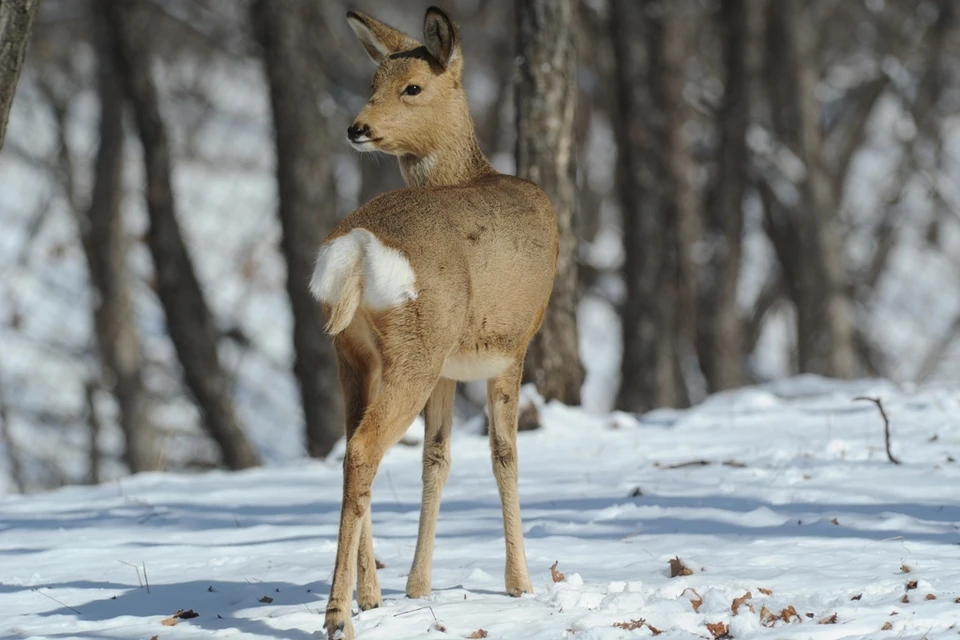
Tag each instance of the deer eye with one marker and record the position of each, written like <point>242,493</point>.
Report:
<point>412,90</point>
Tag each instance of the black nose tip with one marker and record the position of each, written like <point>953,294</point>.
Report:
<point>357,131</point>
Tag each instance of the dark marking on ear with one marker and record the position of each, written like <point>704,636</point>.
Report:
<point>420,53</point>
<point>439,35</point>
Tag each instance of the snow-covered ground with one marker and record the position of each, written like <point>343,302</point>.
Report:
<point>782,491</point>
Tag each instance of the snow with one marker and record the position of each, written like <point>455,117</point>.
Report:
<point>796,497</point>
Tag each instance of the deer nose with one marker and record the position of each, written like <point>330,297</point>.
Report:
<point>357,131</point>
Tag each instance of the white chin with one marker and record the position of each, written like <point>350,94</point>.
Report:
<point>362,145</point>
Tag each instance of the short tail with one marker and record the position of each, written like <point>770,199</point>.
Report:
<point>349,301</point>
<point>338,281</point>
<point>357,268</point>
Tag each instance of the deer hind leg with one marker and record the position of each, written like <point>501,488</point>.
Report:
<point>356,385</point>
<point>502,398</point>
<point>438,419</point>
<point>398,401</point>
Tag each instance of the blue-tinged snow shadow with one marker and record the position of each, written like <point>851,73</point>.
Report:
<point>216,602</point>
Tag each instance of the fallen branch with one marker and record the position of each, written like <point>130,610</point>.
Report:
<point>886,425</point>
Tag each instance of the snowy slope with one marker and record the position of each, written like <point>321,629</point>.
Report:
<point>797,498</point>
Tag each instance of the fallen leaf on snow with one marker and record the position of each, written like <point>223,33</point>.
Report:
<point>829,620</point>
<point>835,521</point>
<point>178,616</point>
<point>787,614</point>
<point>479,633</point>
<point>930,596</point>
<point>439,627</point>
<point>766,592</point>
<point>904,568</point>
<point>857,597</point>
<point>886,626</point>
<point>379,564</point>
<point>739,602</point>
<point>695,602</point>
<point>630,625</point>
<point>266,600</point>
<point>905,599</point>
<point>718,630</point>
<point>556,575</point>
<point>911,585</point>
<point>677,568</point>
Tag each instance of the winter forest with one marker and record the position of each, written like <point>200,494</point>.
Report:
<point>738,419</point>
<point>756,189</point>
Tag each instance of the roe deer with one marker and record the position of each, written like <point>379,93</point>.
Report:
<point>445,280</point>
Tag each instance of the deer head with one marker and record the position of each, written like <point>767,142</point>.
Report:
<point>418,104</point>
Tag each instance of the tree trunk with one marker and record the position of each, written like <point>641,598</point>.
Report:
<point>16,21</point>
<point>189,321</point>
<point>823,205</point>
<point>805,240</point>
<point>660,218</point>
<point>104,242</point>
<point>546,110</point>
<point>678,195</point>
<point>307,201</point>
<point>720,332</point>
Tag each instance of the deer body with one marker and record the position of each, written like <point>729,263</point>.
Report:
<point>446,280</point>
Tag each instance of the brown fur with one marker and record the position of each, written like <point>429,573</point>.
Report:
<point>483,247</point>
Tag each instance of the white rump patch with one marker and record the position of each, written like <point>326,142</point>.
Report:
<point>387,277</point>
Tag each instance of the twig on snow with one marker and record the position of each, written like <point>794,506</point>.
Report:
<point>403,613</point>
<point>135,568</point>
<point>886,425</point>
<point>62,604</point>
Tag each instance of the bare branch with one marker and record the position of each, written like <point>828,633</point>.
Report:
<point>886,425</point>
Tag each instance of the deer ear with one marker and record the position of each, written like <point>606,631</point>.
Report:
<point>378,38</point>
<point>440,36</point>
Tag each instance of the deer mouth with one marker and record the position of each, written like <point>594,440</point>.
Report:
<point>361,144</point>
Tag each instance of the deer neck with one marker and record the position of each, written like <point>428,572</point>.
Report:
<point>458,162</point>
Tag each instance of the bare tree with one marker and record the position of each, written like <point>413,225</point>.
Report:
<point>16,21</point>
<point>191,326</point>
<point>805,236</point>
<point>671,31</point>
<point>643,375</point>
<point>307,200</point>
<point>546,96</point>
<point>660,215</point>
<point>721,350</point>
<point>104,243</point>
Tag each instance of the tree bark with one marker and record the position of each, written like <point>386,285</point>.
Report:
<point>16,22</point>
<point>721,341</point>
<point>823,204</point>
<point>191,326</point>
<point>683,215</point>
<point>546,110</point>
<point>642,375</point>
<point>660,216</point>
<point>804,236</point>
<point>104,243</point>
<point>307,201</point>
